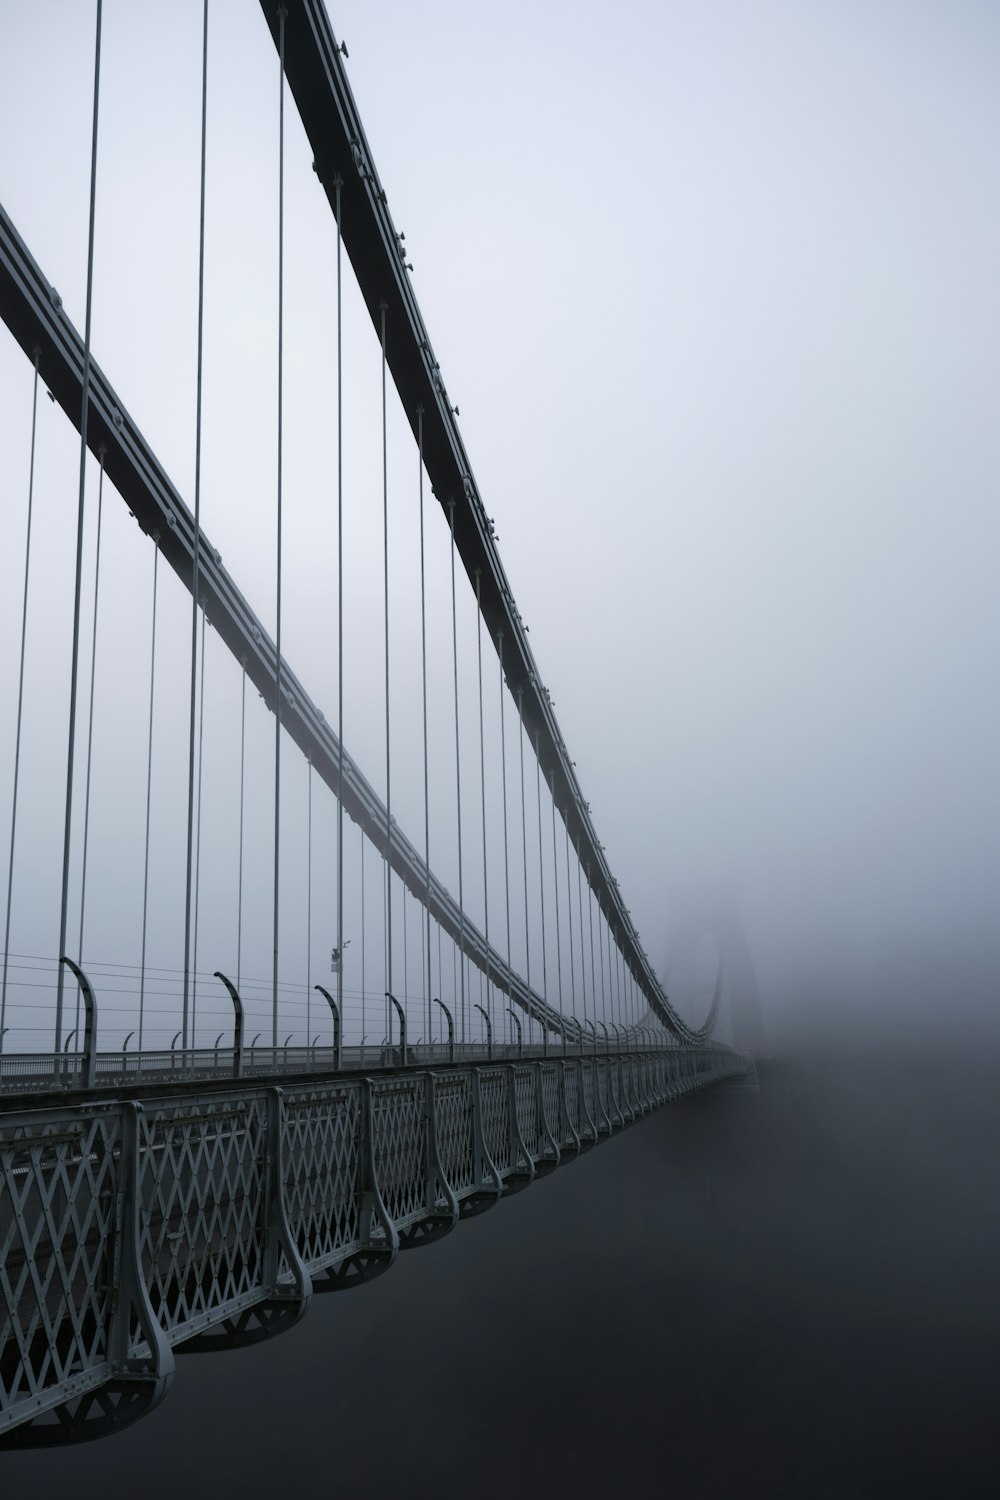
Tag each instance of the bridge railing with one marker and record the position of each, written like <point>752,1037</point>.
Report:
<point>127,1227</point>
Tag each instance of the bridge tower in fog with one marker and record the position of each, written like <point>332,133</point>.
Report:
<point>709,966</point>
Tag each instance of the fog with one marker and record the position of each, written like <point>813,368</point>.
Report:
<point>714,289</point>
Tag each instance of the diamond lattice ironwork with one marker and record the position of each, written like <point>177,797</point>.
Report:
<point>496,1116</point>
<point>399,1131</point>
<point>456,1142</point>
<point>202,1190</point>
<point>322,1176</point>
<point>526,1095</point>
<point>59,1186</point>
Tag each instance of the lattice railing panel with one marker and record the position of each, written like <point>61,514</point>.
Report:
<point>59,1185</point>
<point>602,1088</point>
<point>590,1115</point>
<point>201,1185</point>
<point>526,1097</point>
<point>399,1138</point>
<point>641,1080</point>
<point>615,1083</point>
<point>496,1115</point>
<point>571,1086</point>
<point>456,1144</point>
<point>322,1172</point>
<point>550,1098</point>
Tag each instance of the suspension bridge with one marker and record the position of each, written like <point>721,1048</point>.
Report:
<point>268,1017</point>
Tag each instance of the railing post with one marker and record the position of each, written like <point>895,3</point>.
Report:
<point>238,1027</point>
<point>338,1030</point>
<point>440,1217</point>
<point>90,1022</point>
<point>153,1373</point>
<point>567,1125</point>
<point>281,1250</point>
<point>378,1232</point>
<point>583,1109</point>
<point>518,1146</point>
<point>487,1173</point>
<point>517,1022</point>
<point>543,1113</point>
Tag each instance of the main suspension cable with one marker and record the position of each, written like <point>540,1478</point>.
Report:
<point>20,696</point>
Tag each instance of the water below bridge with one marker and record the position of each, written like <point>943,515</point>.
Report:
<point>784,1294</point>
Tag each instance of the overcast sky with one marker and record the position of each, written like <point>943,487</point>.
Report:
<point>714,286</point>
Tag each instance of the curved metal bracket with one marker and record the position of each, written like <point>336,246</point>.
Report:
<point>338,1035</point>
<point>451,1028</point>
<point>517,1022</point>
<point>90,1022</point>
<point>402,1027</point>
<point>489,1031</point>
<point>238,1024</point>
